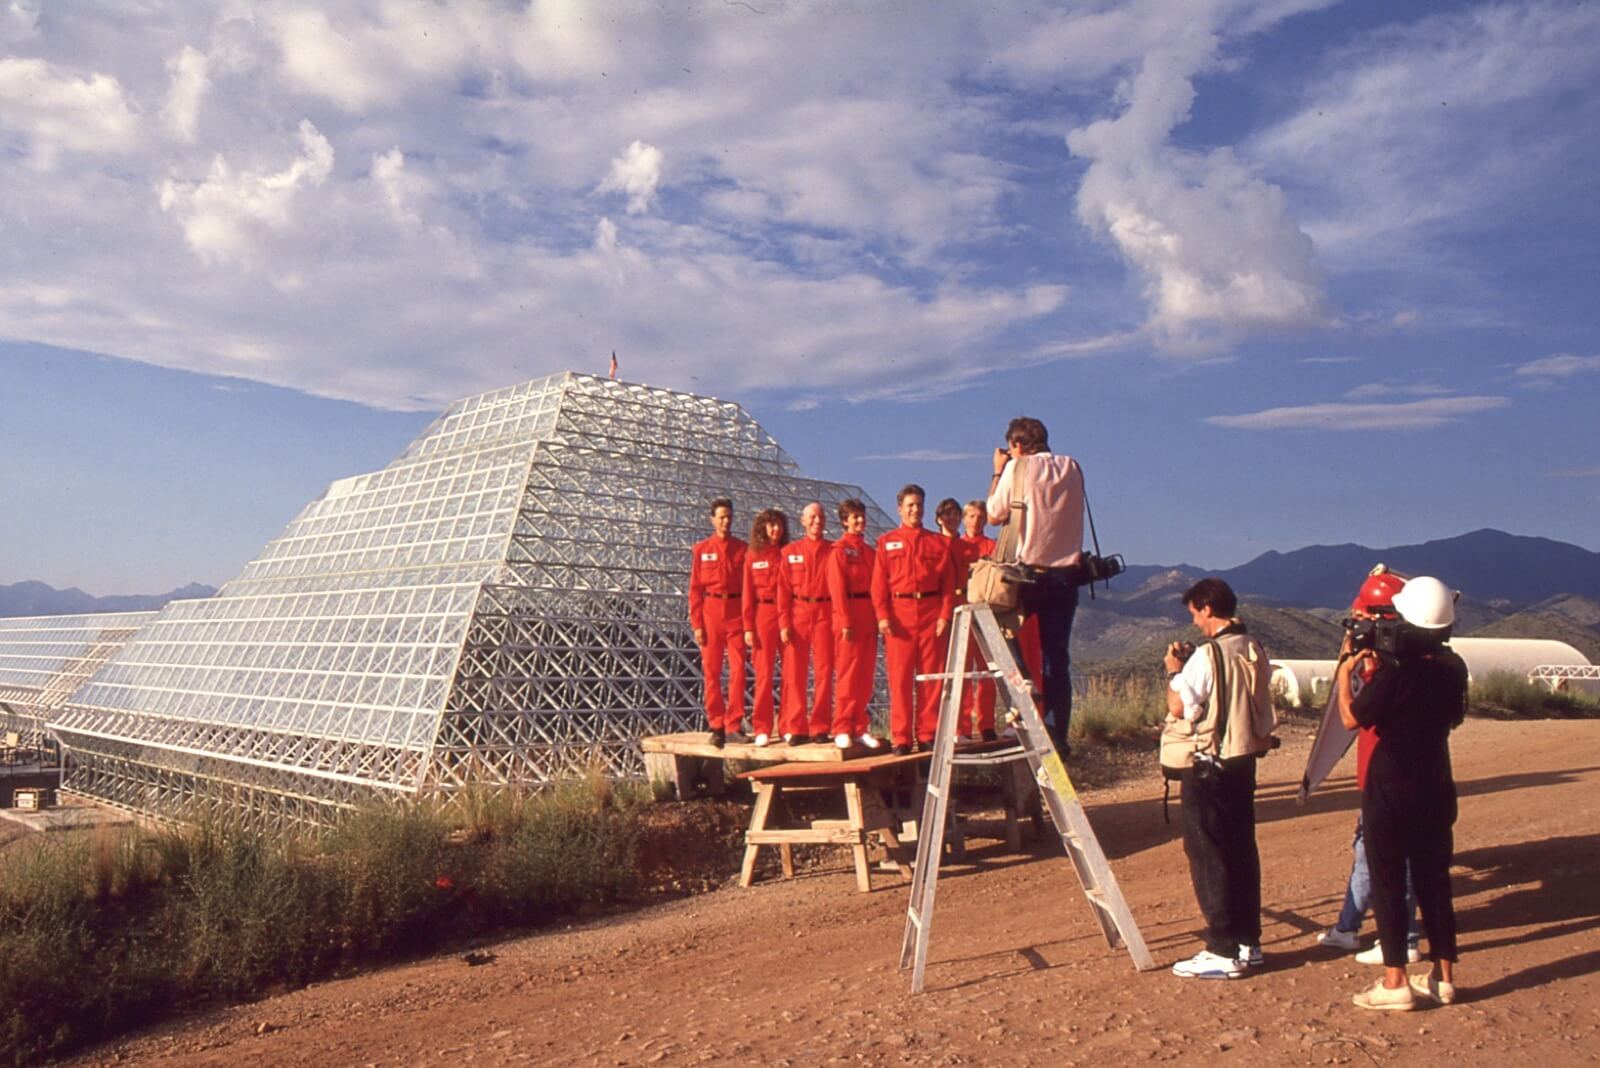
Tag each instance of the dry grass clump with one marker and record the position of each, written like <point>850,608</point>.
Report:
<point>1111,706</point>
<point>1506,694</point>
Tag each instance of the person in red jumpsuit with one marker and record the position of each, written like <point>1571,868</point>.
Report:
<point>963,554</point>
<point>766,600</point>
<point>913,595</point>
<point>716,581</point>
<point>977,703</point>
<point>855,628</point>
<point>809,624</point>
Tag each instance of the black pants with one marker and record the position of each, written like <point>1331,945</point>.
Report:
<point>1411,823</point>
<point>1219,835</point>
<point>1053,598</point>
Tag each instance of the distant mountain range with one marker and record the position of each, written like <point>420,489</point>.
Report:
<point>1485,565</point>
<point>1511,585</point>
<point>39,599</point>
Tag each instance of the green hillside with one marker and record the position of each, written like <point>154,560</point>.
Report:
<point>1549,623</point>
<point>1287,633</point>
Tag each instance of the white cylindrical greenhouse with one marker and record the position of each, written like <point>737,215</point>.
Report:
<point>1302,683</point>
<point>1306,682</point>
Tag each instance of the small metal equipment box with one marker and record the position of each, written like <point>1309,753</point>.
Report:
<point>35,798</point>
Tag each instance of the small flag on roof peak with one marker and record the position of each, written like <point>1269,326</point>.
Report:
<point>613,365</point>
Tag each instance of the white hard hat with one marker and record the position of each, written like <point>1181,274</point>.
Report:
<point>1427,603</point>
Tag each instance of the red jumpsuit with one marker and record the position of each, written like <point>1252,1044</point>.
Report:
<point>716,578</point>
<point>913,588</point>
<point>850,597</point>
<point>977,702</point>
<point>810,625</point>
<point>765,600</point>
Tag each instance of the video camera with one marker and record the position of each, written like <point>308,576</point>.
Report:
<point>1392,637</point>
<point>1382,635</point>
<point>1094,568</point>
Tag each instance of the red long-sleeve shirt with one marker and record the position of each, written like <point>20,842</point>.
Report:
<point>716,568</point>
<point>913,560</point>
<point>805,567</point>
<point>764,582</point>
<point>850,566</point>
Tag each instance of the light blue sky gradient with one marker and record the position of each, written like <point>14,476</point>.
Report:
<point>1277,271</point>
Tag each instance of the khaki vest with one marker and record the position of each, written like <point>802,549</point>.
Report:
<point>1241,698</point>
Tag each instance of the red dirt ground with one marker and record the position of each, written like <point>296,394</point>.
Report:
<point>804,972</point>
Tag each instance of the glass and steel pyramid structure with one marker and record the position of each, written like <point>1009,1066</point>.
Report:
<point>505,603</point>
<point>43,659</point>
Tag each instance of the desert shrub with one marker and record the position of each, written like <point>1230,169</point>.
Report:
<point>392,867</point>
<point>1111,706</point>
<point>570,845</point>
<point>98,932</point>
<point>1506,693</point>
<point>249,912</point>
<point>74,959</point>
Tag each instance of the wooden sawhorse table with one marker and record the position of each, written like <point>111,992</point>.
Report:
<point>861,781</point>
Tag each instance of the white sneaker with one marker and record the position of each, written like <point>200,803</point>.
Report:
<point>788,739</point>
<point>1251,956</point>
<point>1375,954</point>
<point>1433,989</point>
<point>762,739</point>
<point>1208,965</point>
<point>842,741</point>
<point>1377,996</point>
<point>1334,938</point>
<point>870,741</point>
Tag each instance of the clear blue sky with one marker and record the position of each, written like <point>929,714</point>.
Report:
<point>1277,271</point>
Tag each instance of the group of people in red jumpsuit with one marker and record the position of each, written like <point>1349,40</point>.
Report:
<point>808,609</point>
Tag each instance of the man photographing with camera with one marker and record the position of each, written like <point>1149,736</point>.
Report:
<point>1219,720</point>
<point>1046,490</point>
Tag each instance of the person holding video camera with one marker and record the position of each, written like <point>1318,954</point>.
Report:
<point>1415,695</point>
<point>1048,491</point>
<point>1219,721</point>
<point>1372,619</point>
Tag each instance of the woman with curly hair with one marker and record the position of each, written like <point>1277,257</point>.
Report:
<point>766,598</point>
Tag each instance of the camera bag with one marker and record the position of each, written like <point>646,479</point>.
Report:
<point>997,579</point>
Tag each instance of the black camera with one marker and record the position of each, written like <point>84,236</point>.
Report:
<point>1183,651</point>
<point>1380,635</point>
<point>1092,568</point>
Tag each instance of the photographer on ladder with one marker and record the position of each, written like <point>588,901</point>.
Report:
<point>1049,492</point>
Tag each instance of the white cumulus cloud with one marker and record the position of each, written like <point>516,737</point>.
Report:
<point>223,215</point>
<point>637,172</point>
<point>1369,390</point>
<point>57,111</point>
<point>191,77</point>
<point>1551,367</point>
<point>1410,415</point>
<point>1217,245</point>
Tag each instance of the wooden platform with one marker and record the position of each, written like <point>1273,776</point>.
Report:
<point>868,825</point>
<point>685,765</point>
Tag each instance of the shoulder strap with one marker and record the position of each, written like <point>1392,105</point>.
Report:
<point>1220,695</point>
<point>1093,536</point>
<point>1007,546</point>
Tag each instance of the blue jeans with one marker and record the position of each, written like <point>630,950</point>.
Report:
<point>1053,598</point>
<point>1358,895</point>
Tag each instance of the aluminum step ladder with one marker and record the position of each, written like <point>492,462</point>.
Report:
<point>977,623</point>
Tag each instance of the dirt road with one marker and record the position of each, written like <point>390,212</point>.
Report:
<point>804,972</point>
